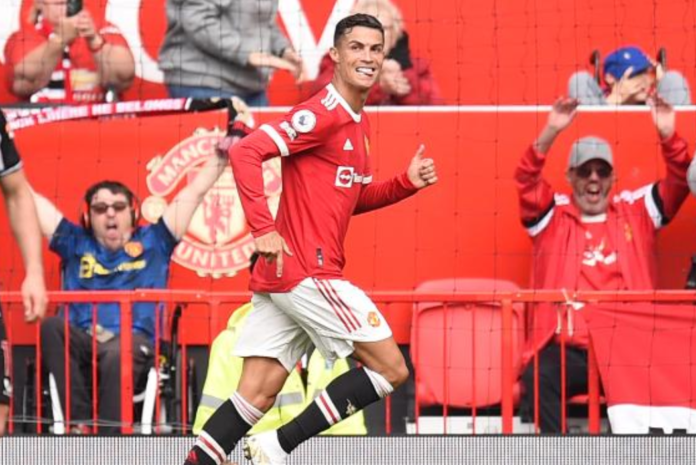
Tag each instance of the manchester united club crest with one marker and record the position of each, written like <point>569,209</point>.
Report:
<point>218,242</point>
<point>133,249</point>
<point>373,319</point>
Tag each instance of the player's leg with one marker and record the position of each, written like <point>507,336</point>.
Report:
<point>342,320</point>
<point>270,343</point>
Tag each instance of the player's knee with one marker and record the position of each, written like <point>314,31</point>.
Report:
<point>396,374</point>
<point>400,375</point>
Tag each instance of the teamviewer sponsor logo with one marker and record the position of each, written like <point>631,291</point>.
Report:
<point>344,176</point>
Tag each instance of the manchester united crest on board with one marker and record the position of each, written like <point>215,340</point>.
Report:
<point>218,242</point>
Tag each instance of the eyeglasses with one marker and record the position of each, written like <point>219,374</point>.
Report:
<point>100,208</point>
<point>584,171</point>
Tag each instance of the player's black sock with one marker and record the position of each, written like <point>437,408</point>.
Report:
<point>347,394</point>
<point>223,430</point>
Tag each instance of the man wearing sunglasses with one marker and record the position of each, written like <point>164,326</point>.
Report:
<point>108,250</point>
<point>588,240</point>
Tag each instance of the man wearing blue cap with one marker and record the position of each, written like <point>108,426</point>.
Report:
<point>629,76</point>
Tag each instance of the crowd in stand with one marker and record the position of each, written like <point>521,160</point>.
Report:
<point>230,50</point>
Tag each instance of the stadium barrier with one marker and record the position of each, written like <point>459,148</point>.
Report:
<point>504,371</point>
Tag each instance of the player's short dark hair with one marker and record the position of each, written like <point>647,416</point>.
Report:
<point>115,187</point>
<point>345,25</point>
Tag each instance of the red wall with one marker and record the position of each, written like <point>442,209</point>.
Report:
<point>467,225</point>
<point>504,51</point>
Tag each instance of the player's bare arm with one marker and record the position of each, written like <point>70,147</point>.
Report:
<point>25,227</point>
<point>421,171</point>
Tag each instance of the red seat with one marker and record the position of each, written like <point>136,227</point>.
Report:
<point>466,351</point>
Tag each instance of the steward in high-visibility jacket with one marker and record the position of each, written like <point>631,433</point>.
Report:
<point>224,370</point>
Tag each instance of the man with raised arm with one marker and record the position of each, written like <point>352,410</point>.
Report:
<point>110,251</point>
<point>588,240</point>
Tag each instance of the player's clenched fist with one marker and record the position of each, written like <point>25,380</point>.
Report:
<point>271,246</point>
<point>421,171</point>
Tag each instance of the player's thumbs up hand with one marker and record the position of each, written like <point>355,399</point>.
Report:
<point>421,172</point>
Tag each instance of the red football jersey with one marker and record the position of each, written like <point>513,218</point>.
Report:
<point>327,178</point>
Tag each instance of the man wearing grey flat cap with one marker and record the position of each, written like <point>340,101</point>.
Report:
<point>588,240</point>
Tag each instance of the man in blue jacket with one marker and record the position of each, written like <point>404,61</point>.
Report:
<point>108,250</point>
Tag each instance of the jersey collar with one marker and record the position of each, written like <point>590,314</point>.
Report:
<point>332,90</point>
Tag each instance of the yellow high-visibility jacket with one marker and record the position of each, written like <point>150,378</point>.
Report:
<point>224,370</point>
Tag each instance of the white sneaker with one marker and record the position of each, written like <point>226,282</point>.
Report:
<point>264,449</point>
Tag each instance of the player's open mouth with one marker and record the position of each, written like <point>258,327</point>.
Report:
<point>369,72</point>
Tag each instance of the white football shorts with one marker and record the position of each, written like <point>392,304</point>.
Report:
<point>330,314</point>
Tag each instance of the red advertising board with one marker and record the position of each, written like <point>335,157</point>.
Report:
<point>467,225</point>
<point>490,52</point>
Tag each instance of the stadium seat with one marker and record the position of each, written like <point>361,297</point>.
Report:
<point>466,351</point>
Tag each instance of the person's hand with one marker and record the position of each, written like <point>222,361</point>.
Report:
<point>34,296</point>
<point>421,172</point>
<point>85,25</point>
<point>392,80</point>
<point>266,60</point>
<point>633,89</point>
<point>66,30</point>
<point>243,113</point>
<point>663,115</point>
<point>291,56</point>
<point>562,114</point>
<point>272,246</point>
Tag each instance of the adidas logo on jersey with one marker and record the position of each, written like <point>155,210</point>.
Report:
<point>348,145</point>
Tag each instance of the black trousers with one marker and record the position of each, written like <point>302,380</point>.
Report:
<point>550,384</point>
<point>109,371</point>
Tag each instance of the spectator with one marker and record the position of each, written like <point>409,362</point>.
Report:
<point>629,77</point>
<point>62,57</point>
<point>404,79</point>
<point>612,238</point>
<point>223,49</point>
<point>109,251</point>
<point>25,227</point>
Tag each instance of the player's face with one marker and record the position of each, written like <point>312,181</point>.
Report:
<point>591,184</point>
<point>359,56</point>
<point>111,219</point>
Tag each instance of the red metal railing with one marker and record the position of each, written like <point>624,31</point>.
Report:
<point>215,301</point>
